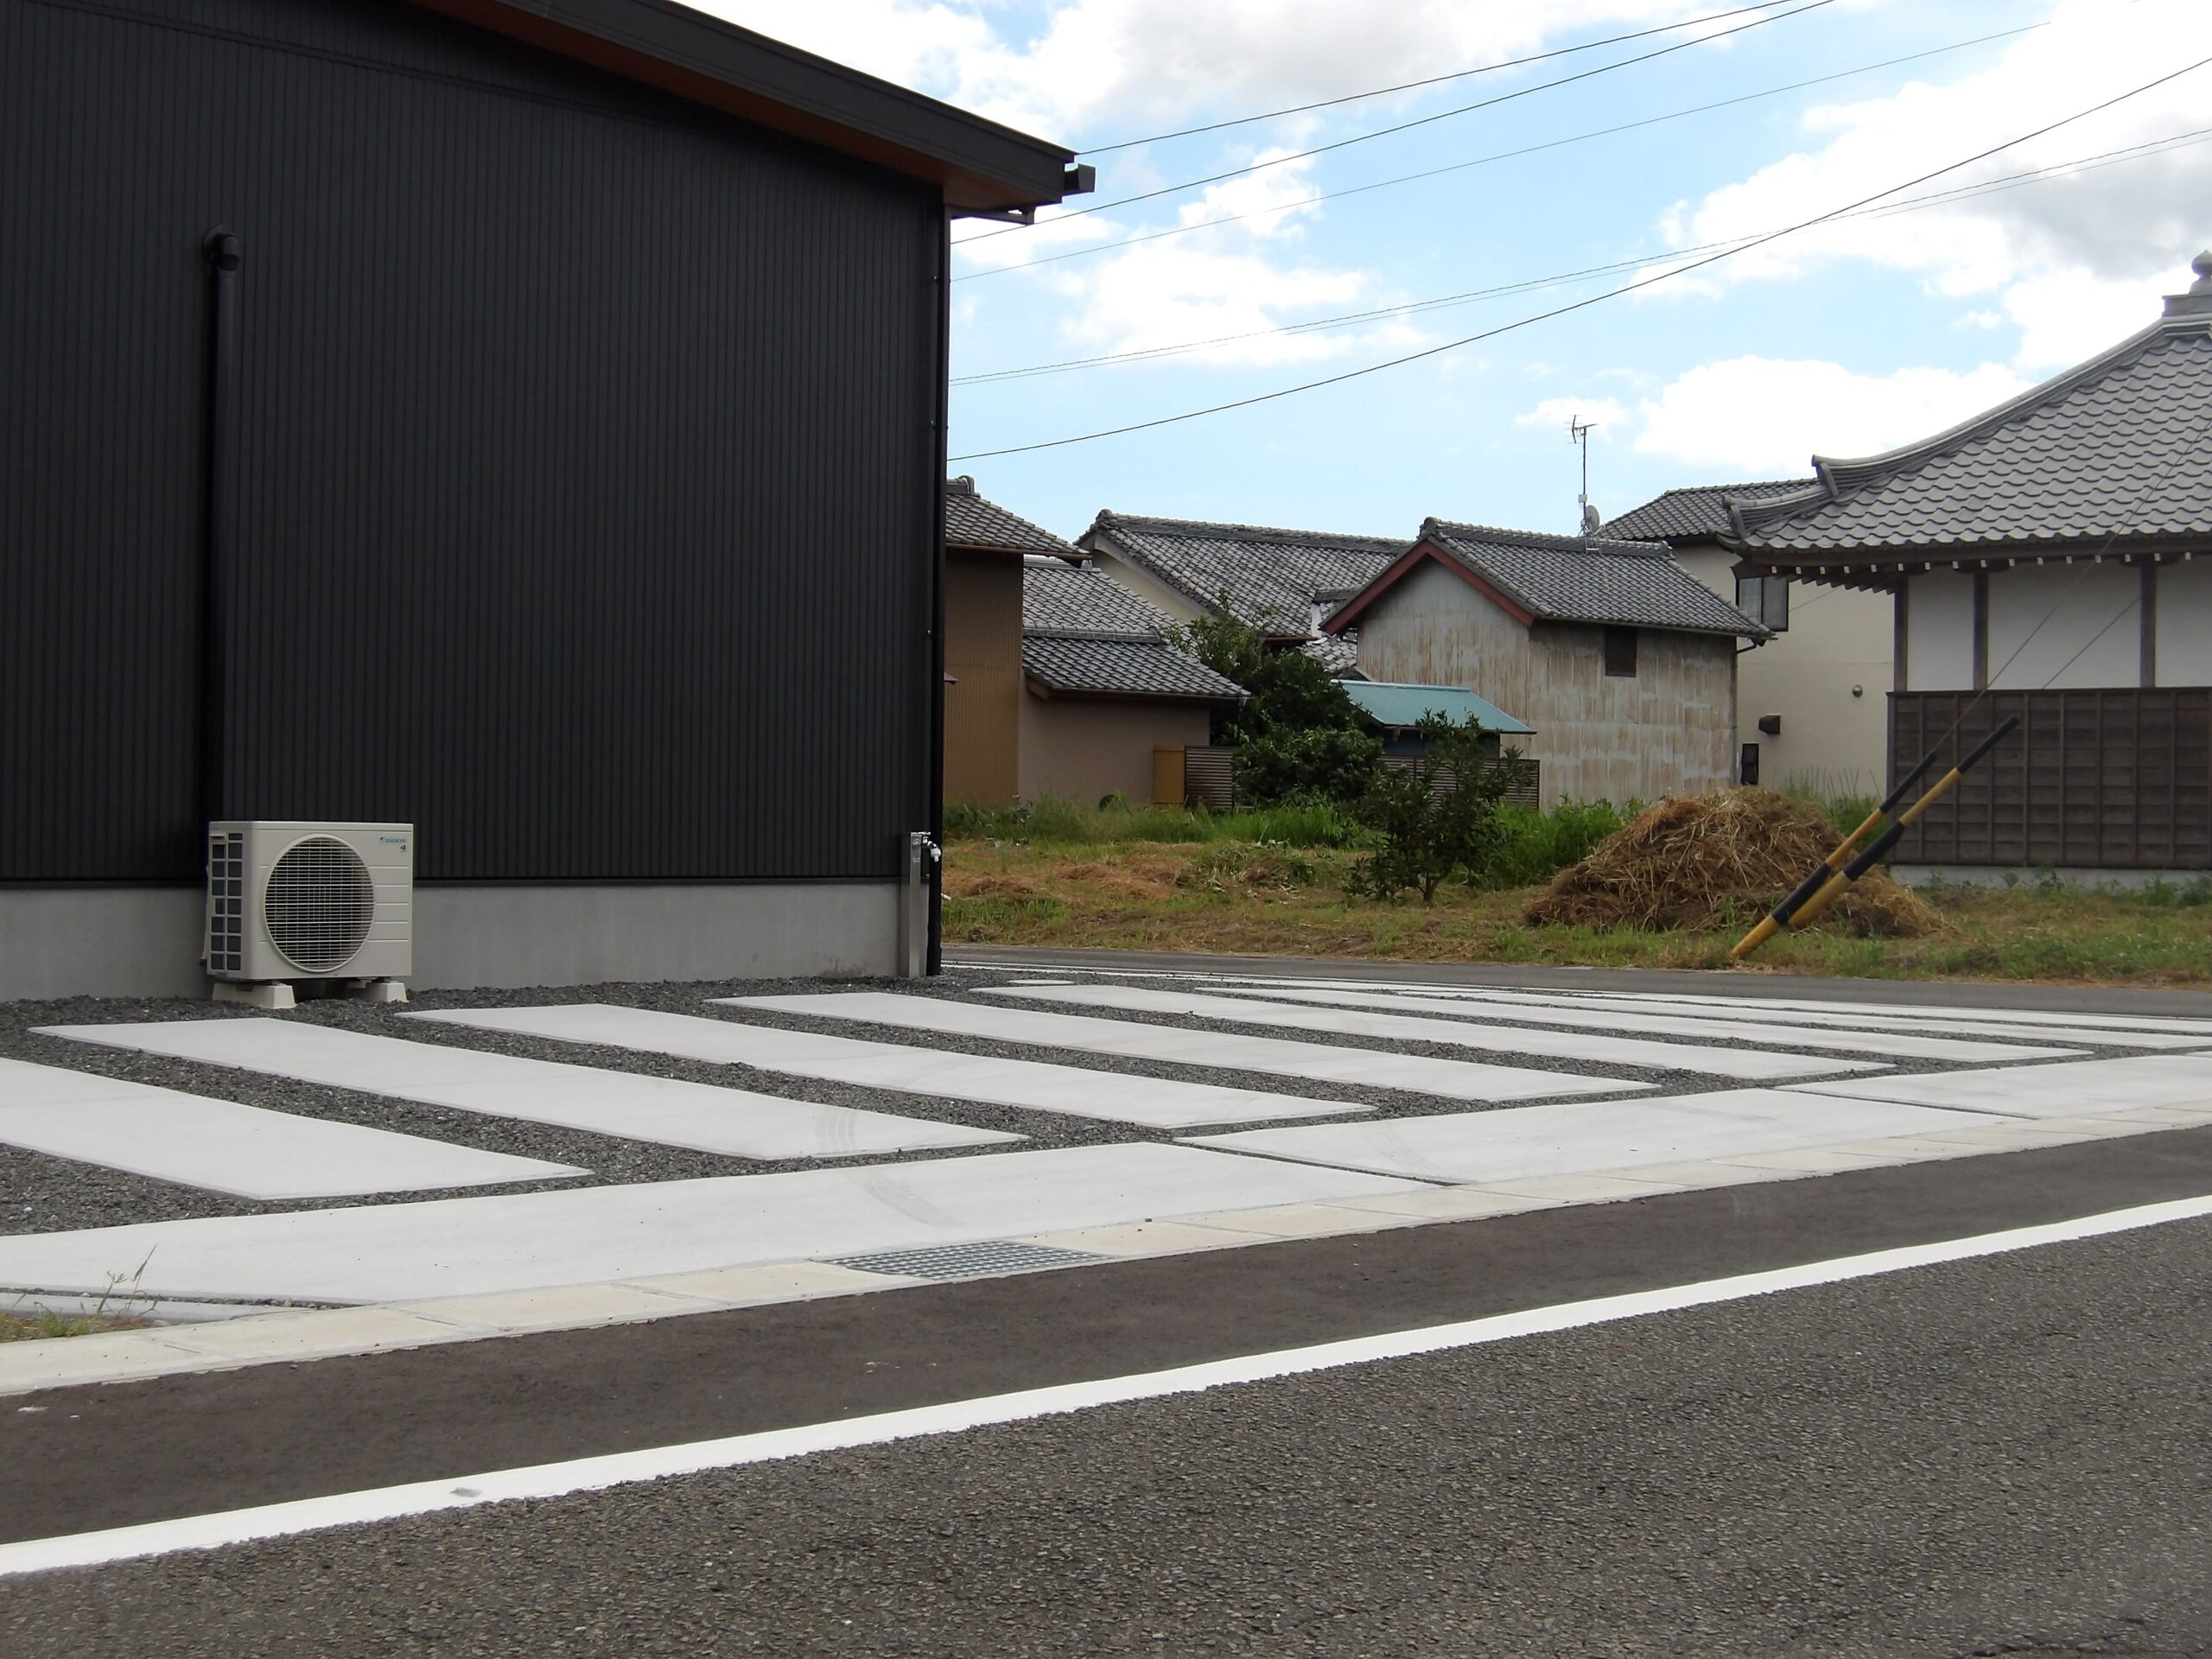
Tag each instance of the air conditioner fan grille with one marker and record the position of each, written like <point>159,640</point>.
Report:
<point>318,904</point>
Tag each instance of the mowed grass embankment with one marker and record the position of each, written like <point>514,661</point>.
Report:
<point>1264,897</point>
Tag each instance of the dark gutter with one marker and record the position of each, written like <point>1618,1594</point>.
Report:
<point>977,164</point>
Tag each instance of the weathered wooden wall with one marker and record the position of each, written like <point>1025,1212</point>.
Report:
<point>1670,730</point>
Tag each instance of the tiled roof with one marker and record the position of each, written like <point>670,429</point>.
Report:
<point>2119,447</point>
<point>1268,577</point>
<point>1061,598</point>
<point>1128,668</point>
<point>971,521</point>
<point>1083,632</point>
<point>1337,653</point>
<point>1699,512</point>
<point>1590,579</point>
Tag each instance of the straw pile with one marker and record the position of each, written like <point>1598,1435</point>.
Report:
<point>1699,862</point>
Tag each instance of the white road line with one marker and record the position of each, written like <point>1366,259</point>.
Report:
<point>1579,1137</point>
<point>528,1241</point>
<point>667,1110</point>
<point>903,1068</point>
<point>227,1146</point>
<point>1910,1046</point>
<point>2076,1089</point>
<point>1441,1024</point>
<point>1455,1079</point>
<point>625,1468</point>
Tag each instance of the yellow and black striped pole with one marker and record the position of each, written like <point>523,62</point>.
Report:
<point>1839,869</point>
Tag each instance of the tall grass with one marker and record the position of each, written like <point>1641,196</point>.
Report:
<point>1051,821</point>
<point>1536,846</point>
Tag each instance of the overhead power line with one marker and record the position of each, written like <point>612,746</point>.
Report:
<point>2073,167</point>
<point>1499,155</point>
<point>1404,126</point>
<point>1434,80</point>
<point>1595,299</point>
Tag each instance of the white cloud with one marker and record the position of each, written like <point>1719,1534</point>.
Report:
<point>2078,261</point>
<point>1100,71</point>
<point>1609,415</point>
<point>1765,415</point>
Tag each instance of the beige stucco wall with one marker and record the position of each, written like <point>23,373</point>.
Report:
<point>1831,739</point>
<point>1139,581</point>
<point>1670,730</point>
<point>982,655</point>
<point>1084,750</point>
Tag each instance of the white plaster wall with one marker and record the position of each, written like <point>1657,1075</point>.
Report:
<point>2185,622</point>
<point>1838,638</point>
<point>1939,632</point>
<point>1142,582</point>
<point>2090,609</point>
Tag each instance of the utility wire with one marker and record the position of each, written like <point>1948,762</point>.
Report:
<point>1485,161</point>
<point>2075,167</point>
<point>1403,126</point>
<point>1595,299</point>
<point>1434,80</point>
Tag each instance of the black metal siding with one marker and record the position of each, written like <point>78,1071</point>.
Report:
<point>585,487</point>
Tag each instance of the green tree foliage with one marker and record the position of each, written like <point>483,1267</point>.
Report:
<point>1298,734</point>
<point>1437,817</point>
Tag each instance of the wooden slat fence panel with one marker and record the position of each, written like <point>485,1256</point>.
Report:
<point>2097,779</point>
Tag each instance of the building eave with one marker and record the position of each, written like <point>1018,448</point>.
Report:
<point>977,165</point>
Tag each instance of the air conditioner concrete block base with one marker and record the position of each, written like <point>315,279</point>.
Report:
<point>270,994</point>
<point>379,990</point>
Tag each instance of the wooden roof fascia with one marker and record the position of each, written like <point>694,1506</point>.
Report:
<point>1352,609</point>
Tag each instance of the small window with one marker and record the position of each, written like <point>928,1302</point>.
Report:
<point>1765,599</point>
<point>1620,653</point>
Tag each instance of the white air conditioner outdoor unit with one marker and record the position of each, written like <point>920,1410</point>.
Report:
<point>290,901</point>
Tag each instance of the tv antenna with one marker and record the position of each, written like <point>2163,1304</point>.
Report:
<point>1578,433</point>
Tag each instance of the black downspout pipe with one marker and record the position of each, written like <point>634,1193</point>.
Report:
<point>220,249</point>
<point>940,451</point>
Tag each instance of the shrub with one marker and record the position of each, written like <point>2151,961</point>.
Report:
<point>1332,763</point>
<point>1437,817</point>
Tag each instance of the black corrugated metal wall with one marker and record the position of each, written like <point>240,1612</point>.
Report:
<point>584,485</point>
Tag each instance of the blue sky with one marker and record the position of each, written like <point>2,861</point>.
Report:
<point>1871,333</point>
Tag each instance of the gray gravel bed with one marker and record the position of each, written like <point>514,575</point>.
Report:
<point>2001,1456</point>
<point>44,1194</point>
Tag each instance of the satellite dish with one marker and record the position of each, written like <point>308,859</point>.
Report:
<point>1591,521</point>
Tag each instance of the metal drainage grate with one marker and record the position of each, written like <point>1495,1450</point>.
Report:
<point>967,1261</point>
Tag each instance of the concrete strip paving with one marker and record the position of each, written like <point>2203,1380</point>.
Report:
<point>734,1121</point>
<point>902,1068</point>
<point>226,1147</point>
<point>1875,1017</point>
<point>2075,1088</point>
<point>1752,1065</point>
<point>1567,1011</point>
<point>1454,1079</point>
<point>1588,1137</point>
<point>453,1247</point>
<point>2200,1029</point>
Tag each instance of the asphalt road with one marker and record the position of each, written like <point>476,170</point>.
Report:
<point>2003,1456</point>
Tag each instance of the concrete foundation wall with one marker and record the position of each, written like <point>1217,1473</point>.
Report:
<point>145,941</point>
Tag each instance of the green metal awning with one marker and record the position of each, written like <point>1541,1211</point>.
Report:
<point>1400,707</point>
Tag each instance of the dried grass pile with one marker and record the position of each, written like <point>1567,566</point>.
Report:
<point>1701,863</point>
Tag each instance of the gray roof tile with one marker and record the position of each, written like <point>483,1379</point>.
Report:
<point>971,521</point>
<point>2119,447</point>
<point>1060,598</point>
<point>1578,579</point>
<point>1697,513</point>
<point>1270,577</point>
<point>1128,668</point>
<point>1083,632</point>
